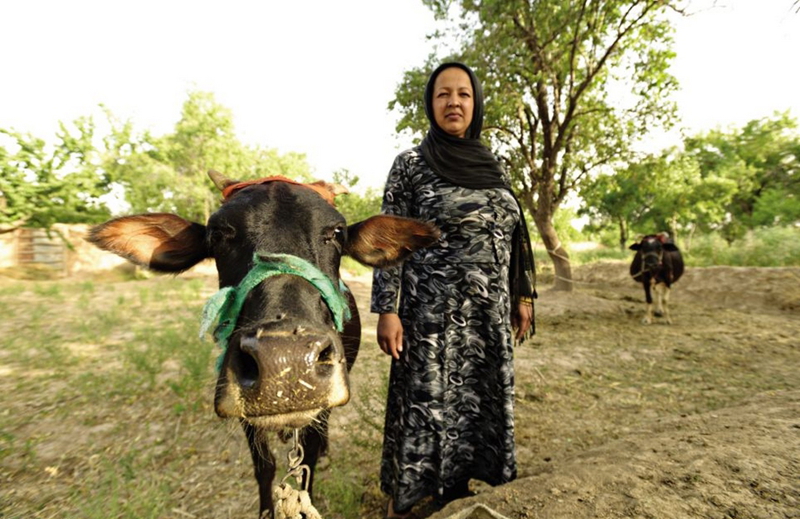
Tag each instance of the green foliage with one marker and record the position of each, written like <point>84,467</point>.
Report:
<point>41,185</point>
<point>562,221</point>
<point>72,180</point>
<point>656,193</point>
<point>545,67</point>
<point>731,182</point>
<point>760,247</point>
<point>133,163</point>
<point>777,206</point>
<point>587,256</point>
<point>354,267</point>
<point>764,247</point>
<point>170,173</point>
<point>354,206</point>
<point>762,160</point>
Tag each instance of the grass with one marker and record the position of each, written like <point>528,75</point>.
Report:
<point>342,495</point>
<point>342,492</point>
<point>773,247</point>
<point>83,344</point>
<point>354,267</point>
<point>767,247</point>
<point>125,490</point>
<point>106,406</point>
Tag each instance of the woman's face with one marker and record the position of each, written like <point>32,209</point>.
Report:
<point>453,101</point>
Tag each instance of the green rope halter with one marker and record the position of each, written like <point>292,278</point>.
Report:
<point>226,304</point>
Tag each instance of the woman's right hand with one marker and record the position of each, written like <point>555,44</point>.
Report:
<point>390,334</point>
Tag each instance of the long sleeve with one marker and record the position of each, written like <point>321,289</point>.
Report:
<point>396,197</point>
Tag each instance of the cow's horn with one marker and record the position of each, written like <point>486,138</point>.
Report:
<point>220,180</point>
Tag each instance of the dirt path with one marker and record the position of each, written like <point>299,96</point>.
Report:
<point>733,462</point>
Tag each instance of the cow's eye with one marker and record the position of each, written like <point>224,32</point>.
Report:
<point>335,235</point>
<point>220,233</point>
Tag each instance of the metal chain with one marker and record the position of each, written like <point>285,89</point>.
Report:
<point>296,469</point>
<point>291,503</point>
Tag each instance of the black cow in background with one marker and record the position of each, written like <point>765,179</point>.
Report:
<point>657,265</point>
<point>288,326</point>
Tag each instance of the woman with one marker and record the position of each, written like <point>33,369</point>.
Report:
<point>449,415</point>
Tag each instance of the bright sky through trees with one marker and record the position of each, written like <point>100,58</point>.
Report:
<point>315,76</point>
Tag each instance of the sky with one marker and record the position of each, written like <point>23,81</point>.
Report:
<point>316,76</point>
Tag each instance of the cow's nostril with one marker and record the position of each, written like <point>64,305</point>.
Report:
<point>246,370</point>
<point>325,362</point>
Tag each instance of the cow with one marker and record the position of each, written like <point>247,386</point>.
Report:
<point>289,327</point>
<point>657,264</point>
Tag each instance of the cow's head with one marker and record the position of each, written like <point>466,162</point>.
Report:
<point>651,249</point>
<point>271,239</point>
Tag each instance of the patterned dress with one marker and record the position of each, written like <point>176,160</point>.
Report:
<point>450,410</point>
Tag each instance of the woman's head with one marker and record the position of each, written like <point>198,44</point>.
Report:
<point>454,101</point>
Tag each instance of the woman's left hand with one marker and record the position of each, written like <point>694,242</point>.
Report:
<point>522,319</point>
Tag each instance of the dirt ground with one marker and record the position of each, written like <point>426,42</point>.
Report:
<point>698,419</point>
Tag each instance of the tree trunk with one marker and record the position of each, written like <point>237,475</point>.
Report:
<point>623,234</point>
<point>687,247</point>
<point>560,257</point>
<point>673,229</point>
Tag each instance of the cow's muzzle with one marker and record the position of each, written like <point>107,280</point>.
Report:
<point>282,370</point>
<point>651,260</point>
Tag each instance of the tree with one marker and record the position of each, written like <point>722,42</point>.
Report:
<point>133,163</point>
<point>777,206</point>
<point>662,192</point>
<point>729,181</point>
<point>683,200</point>
<point>70,181</point>
<point>353,206</point>
<point>41,185</point>
<point>554,72</point>
<point>763,160</point>
<point>169,172</point>
<point>619,199</point>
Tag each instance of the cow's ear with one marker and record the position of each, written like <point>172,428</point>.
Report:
<point>383,241</point>
<point>159,241</point>
<point>669,246</point>
<point>635,246</point>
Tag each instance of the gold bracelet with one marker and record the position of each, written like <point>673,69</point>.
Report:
<point>526,301</point>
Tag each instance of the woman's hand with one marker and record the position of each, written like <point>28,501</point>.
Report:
<point>522,319</point>
<point>390,334</point>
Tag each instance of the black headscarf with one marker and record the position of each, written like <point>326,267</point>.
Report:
<point>467,162</point>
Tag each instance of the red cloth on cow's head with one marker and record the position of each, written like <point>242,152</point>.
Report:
<point>322,188</point>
